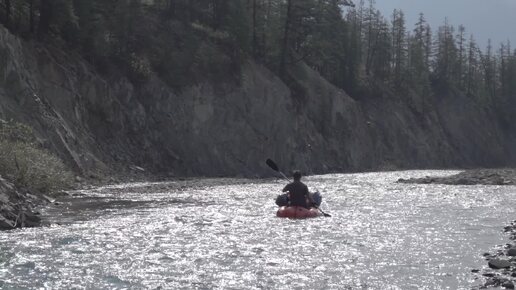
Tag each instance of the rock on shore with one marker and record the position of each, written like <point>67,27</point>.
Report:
<point>502,264</point>
<point>470,177</point>
<point>16,208</point>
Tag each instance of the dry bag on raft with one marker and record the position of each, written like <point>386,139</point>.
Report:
<point>282,199</point>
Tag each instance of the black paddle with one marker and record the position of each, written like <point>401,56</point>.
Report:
<point>275,167</point>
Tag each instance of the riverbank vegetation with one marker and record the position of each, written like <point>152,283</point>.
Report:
<point>26,164</point>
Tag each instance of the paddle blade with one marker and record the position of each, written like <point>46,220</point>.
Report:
<point>324,214</point>
<point>272,165</point>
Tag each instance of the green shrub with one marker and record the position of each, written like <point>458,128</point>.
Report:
<point>26,165</point>
<point>14,131</point>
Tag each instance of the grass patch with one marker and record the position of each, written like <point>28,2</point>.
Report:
<point>26,164</point>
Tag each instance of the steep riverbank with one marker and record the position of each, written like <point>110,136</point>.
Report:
<point>103,125</point>
<point>107,127</point>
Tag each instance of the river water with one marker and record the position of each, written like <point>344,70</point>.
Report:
<point>223,234</point>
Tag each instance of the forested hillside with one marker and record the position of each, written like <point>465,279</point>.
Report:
<point>349,45</point>
<point>418,97</point>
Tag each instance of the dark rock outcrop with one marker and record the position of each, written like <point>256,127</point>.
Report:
<point>471,177</point>
<point>16,208</point>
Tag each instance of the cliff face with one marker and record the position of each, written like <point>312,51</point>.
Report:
<point>108,124</point>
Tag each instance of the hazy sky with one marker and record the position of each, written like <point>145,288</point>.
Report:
<point>495,19</point>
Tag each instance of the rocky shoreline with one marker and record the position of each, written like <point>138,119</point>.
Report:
<point>502,264</point>
<point>505,176</point>
<point>17,207</point>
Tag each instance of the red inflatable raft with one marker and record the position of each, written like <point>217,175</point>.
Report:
<point>297,212</point>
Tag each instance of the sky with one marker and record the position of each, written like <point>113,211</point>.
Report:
<point>485,19</point>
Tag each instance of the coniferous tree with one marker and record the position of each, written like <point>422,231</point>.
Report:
<point>461,43</point>
<point>428,47</point>
<point>419,70</point>
<point>399,40</point>
<point>255,28</point>
<point>489,67</point>
<point>507,70</point>
<point>302,18</point>
<point>472,63</point>
<point>285,47</point>
<point>370,35</point>
<point>446,55</point>
<point>32,21</point>
<point>58,17</point>
<point>324,48</point>
<point>381,62</point>
<point>510,75</point>
<point>349,46</point>
<point>353,49</point>
<point>8,13</point>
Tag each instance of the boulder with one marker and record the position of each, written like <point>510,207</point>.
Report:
<point>499,264</point>
<point>511,252</point>
<point>16,207</point>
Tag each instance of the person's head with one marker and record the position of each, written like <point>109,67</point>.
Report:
<point>297,175</point>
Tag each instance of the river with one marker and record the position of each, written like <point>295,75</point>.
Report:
<point>223,234</point>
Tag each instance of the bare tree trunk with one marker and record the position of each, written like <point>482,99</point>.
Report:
<point>8,13</point>
<point>45,17</point>
<point>284,48</point>
<point>220,9</point>
<point>171,8</point>
<point>255,40</point>
<point>190,11</point>
<point>31,16</point>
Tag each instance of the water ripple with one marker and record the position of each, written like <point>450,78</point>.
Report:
<point>223,234</point>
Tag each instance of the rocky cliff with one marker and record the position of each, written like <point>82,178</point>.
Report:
<point>106,124</point>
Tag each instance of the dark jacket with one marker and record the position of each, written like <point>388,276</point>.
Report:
<point>298,193</point>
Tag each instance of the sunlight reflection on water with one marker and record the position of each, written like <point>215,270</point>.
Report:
<point>225,235</point>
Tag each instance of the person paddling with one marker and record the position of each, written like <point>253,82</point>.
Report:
<point>298,192</point>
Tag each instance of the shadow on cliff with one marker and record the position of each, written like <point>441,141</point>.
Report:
<point>108,125</point>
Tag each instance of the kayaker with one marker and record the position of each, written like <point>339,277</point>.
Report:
<point>298,192</point>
